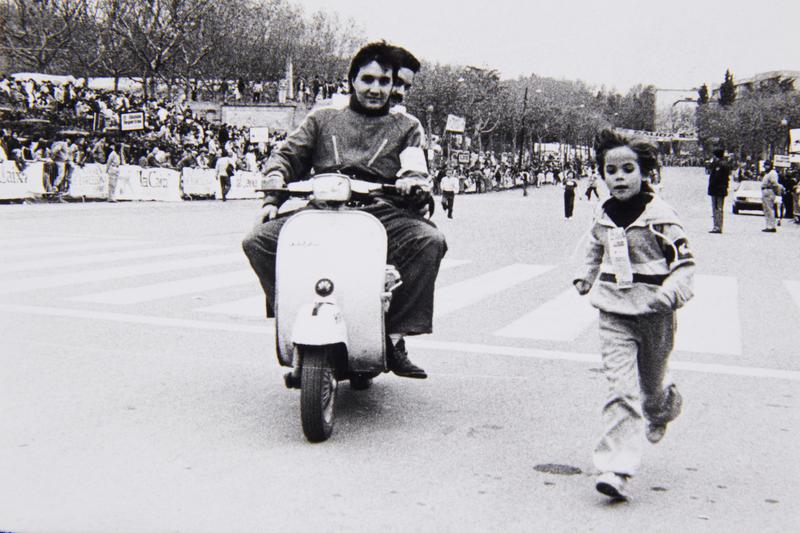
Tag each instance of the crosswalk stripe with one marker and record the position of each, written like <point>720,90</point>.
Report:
<point>447,264</point>
<point>11,285</point>
<point>73,260</point>
<point>61,248</point>
<point>470,291</point>
<point>709,323</point>
<point>794,290</point>
<point>29,241</point>
<point>562,318</point>
<point>252,307</point>
<point>168,289</point>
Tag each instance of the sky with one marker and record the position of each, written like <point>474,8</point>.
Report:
<point>674,44</point>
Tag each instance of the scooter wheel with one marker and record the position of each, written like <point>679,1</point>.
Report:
<point>360,383</point>
<point>317,393</point>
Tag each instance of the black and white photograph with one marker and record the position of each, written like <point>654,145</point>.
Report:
<point>424,266</point>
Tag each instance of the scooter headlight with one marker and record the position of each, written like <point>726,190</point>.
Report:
<point>331,188</point>
<point>324,287</point>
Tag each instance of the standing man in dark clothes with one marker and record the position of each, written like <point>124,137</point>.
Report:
<point>788,179</point>
<point>570,184</point>
<point>719,173</point>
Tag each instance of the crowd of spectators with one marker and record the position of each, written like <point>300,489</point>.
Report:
<point>306,91</point>
<point>492,172</point>
<point>74,124</point>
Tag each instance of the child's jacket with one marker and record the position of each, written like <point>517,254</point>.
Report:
<point>661,261</point>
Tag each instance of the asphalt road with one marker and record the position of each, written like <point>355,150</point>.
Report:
<point>160,406</point>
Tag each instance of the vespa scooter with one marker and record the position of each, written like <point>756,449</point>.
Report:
<point>332,290</point>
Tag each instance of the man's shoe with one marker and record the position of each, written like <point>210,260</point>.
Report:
<point>612,485</point>
<point>715,231</point>
<point>770,230</point>
<point>398,362</point>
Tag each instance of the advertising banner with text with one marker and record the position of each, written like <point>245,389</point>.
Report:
<point>16,185</point>
<point>89,181</point>
<point>136,183</point>
<point>243,186</point>
<point>199,182</point>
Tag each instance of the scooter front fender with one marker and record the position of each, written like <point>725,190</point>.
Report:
<point>319,323</point>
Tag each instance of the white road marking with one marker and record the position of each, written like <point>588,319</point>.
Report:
<point>709,323</point>
<point>12,285</point>
<point>562,318</point>
<point>252,306</point>
<point>65,249</point>
<point>470,291</point>
<point>794,290</point>
<point>74,260</point>
<point>267,328</point>
<point>447,264</point>
<point>483,349</point>
<point>169,289</point>
<point>29,241</point>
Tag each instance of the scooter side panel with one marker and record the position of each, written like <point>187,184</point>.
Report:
<point>349,249</point>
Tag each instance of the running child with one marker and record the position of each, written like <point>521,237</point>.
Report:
<point>639,269</point>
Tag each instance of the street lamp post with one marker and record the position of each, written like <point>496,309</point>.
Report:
<point>785,124</point>
<point>429,110</point>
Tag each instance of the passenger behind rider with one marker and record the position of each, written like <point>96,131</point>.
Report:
<point>364,139</point>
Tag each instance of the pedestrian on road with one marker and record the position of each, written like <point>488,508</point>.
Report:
<point>113,162</point>
<point>788,181</point>
<point>591,188</point>
<point>769,189</point>
<point>450,185</point>
<point>224,168</point>
<point>640,270</point>
<point>569,194</point>
<point>719,173</point>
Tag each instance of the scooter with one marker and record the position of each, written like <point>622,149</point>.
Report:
<point>332,290</point>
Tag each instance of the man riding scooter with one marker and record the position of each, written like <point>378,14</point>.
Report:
<point>367,141</point>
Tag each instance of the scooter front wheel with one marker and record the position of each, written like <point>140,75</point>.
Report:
<point>317,392</point>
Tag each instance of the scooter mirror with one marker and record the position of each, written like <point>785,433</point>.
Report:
<point>331,187</point>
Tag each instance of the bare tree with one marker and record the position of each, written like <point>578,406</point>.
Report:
<point>154,30</point>
<point>36,33</point>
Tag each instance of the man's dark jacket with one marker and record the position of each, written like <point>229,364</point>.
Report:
<point>719,172</point>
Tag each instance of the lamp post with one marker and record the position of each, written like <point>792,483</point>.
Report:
<point>785,124</point>
<point>429,111</point>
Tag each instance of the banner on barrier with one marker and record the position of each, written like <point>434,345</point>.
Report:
<point>199,182</point>
<point>16,185</point>
<point>243,186</point>
<point>128,178</point>
<point>136,183</point>
<point>89,181</point>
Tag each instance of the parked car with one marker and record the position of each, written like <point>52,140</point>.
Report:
<point>748,196</point>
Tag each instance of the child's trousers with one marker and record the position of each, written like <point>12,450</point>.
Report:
<point>635,351</point>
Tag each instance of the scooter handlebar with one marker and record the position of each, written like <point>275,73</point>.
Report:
<point>303,188</point>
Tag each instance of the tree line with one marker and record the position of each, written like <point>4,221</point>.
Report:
<point>180,42</point>
<point>173,41</point>
<point>750,119</point>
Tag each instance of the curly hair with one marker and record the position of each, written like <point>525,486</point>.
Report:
<point>646,152</point>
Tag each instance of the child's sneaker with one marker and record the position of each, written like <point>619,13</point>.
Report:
<point>655,432</point>
<point>612,485</point>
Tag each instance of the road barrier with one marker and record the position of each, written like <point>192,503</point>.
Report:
<point>134,183</point>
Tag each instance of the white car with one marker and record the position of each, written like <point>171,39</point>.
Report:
<point>748,196</point>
